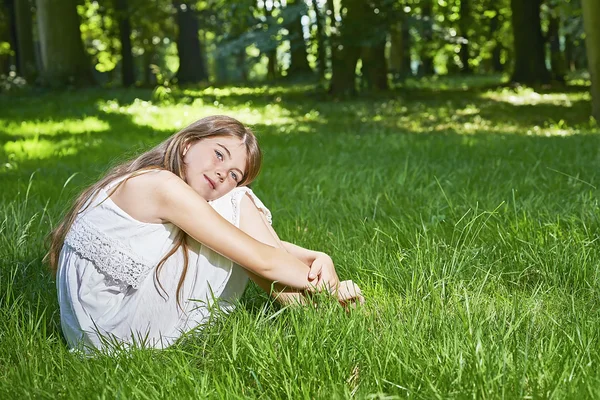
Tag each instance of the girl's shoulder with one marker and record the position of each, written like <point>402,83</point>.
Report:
<point>143,177</point>
<point>139,194</point>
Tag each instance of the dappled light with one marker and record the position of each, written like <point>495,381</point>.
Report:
<point>446,206</point>
<point>442,156</point>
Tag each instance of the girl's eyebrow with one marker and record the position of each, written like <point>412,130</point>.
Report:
<point>226,149</point>
<point>229,154</point>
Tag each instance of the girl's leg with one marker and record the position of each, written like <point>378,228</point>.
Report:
<point>254,223</point>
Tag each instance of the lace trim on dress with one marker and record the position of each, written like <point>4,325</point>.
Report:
<point>110,256</point>
<point>236,199</point>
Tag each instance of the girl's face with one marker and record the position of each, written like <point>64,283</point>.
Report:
<point>214,166</point>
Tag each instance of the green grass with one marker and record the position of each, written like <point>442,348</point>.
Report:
<point>469,217</point>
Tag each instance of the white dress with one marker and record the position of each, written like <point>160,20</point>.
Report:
<point>107,291</point>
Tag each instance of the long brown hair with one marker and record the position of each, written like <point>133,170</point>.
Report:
<point>168,156</point>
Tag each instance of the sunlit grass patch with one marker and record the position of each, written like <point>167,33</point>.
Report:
<point>529,96</point>
<point>470,220</point>
<point>53,127</point>
<point>177,116</point>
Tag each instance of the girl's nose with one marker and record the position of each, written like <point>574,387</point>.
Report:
<point>220,175</point>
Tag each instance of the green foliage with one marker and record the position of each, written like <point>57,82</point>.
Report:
<point>469,217</point>
<point>153,31</point>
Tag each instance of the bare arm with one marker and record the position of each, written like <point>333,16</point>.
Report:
<point>305,255</point>
<point>176,202</point>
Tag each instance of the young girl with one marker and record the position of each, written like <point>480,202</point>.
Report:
<point>145,251</point>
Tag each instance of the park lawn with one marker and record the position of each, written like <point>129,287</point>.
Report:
<point>470,218</point>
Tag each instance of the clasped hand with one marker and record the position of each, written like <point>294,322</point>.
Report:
<point>324,277</point>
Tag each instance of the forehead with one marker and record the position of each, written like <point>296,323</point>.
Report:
<point>231,142</point>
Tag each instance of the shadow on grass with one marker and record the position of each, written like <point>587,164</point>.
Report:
<point>366,153</point>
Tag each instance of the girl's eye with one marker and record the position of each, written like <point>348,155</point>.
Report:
<point>234,176</point>
<point>219,155</point>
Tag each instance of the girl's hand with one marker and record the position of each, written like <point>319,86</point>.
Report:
<point>349,294</point>
<point>322,272</point>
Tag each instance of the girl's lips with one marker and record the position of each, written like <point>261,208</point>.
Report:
<point>210,182</point>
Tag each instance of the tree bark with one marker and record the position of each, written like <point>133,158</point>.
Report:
<point>496,61</point>
<point>26,66</point>
<point>427,67</point>
<point>127,67</point>
<point>530,66</point>
<point>374,67</point>
<point>557,60</point>
<point>272,72</point>
<point>346,50</point>
<point>400,48</point>
<point>298,55</point>
<point>464,25</point>
<point>12,30</point>
<point>569,53</point>
<point>192,68</point>
<point>63,56</point>
<point>320,33</point>
<point>591,23</point>
<point>407,43</point>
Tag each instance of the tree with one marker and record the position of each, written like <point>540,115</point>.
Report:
<point>591,21</point>
<point>557,63</point>
<point>192,68</point>
<point>294,11</point>
<point>63,57</point>
<point>495,22</point>
<point>346,50</point>
<point>530,66</point>
<point>26,66</point>
<point>427,34</point>
<point>10,35</point>
<point>377,15</point>
<point>464,25</point>
<point>127,69</point>
<point>400,46</point>
<point>320,36</point>
<point>272,70</point>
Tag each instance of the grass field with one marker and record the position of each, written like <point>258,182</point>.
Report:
<point>470,218</point>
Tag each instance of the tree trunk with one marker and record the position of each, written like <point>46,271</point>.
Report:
<point>298,54</point>
<point>5,36</point>
<point>374,67</point>
<point>63,56</point>
<point>24,24</point>
<point>127,67</point>
<point>496,61</point>
<point>240,62</point>
<point>427,68</point>
<point>346,50</point>
<point>407,42</point>
<point>569,53</point>
<point>192,68</point>
<point>320,33</point>
<point>464,25</point>
<point>400,47</point>
<point>591,23</point>
<point>272,72</point>
<point>12,30</point>
<point>530,66</point>
<point>557,61</point>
